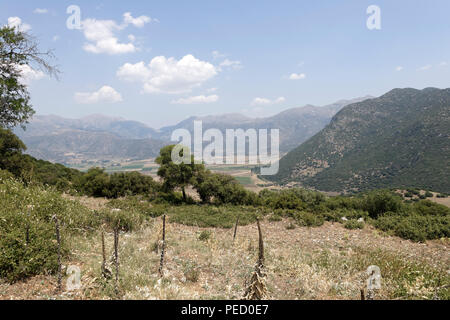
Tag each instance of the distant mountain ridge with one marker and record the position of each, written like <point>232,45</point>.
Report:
<point>95,137</point>
<point>401,139</point>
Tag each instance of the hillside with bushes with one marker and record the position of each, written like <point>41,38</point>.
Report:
<point>400,139</point>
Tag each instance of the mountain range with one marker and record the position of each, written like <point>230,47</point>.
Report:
<point>401,139</point>
<point>100,137</point>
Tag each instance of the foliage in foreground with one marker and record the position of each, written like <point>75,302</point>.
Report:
<point>28,242</point>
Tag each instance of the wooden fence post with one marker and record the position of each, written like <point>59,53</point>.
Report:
<point>161,263</point>
<point>58,240</point>
<point>235,228</point>
<point>116,257</point>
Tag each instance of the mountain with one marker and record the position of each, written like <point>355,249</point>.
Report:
<point>296,125</point>
<point>72,146</point>
<point>401,139</point>
<point>99,137</point>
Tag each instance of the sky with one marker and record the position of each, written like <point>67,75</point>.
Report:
<point>160,62</point>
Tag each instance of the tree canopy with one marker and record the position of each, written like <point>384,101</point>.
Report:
<point>18,50</point>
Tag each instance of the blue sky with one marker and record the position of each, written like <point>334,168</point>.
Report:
<point>161,61</point>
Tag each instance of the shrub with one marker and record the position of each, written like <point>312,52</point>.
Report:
<point>191,271</point>
<point>126,221</point>
<point>381,201</point>
<point>353,224</point>
<point>275,217</point>
<point>428,194</point>
<point>414,226</point>
<point>27,241</point>
<point>97,183</point>
<point>205,235</point>
<point>308,219</point>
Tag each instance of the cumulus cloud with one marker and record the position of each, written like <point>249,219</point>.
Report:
<point>28,74</point>
<point>265,101</point>
<point>168,75</point>
<point>297,76</point>
<point>40,11</point>
<point>105,94</point>
<point>399,68</point>
<point>197,100</point>
<point>102,38</point>
<point>16,22</point>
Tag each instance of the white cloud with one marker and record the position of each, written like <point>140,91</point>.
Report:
<point>55,38</point>
<point>101,34</point>
<point>231,64</point>
<point>138,22</point>
<point>102,38</point>
<point>40,11</point>
<point>297,76</point>
<point>425,68</point>
<point>197,100</point>
<point>105,94</point>
<point>443,64</point>
<point>266,102</point>
<point>168,75</point>
<point>29,74</point>
<point>16,22</point>
<point>399,68</point>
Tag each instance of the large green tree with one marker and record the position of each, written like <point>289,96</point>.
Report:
<point>18,50</point>
<point>177,175</point>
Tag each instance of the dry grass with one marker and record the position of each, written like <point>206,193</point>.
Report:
<point>328,262</point>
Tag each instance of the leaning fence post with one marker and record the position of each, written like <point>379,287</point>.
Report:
<point>161,263</point>
<point>58,240</point>
<point>235,228</point>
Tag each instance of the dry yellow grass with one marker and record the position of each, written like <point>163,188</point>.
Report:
<point>328,262</point>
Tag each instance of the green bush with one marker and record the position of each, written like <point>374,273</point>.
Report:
<point>308,219</point>
<point>27,241</point>
<point>205,235</point>
<point>97,183</point>
<point>212,216</point>
<point>353,224</point>
<point>381,201</point>
<point>275,218</point>
<point>126,221</point>
<point>414,226</point>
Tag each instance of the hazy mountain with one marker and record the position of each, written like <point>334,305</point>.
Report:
<point>99,137</point>
<point>399,139</point>
<point>296,125</point>
<point>72,145</point>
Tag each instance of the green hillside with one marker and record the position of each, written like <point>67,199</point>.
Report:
<point>401,139</point>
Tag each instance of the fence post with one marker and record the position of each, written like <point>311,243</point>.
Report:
<point>235,228</point>
<point>161,263</point>
<point>58,240</point>
<point>116,257</point>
